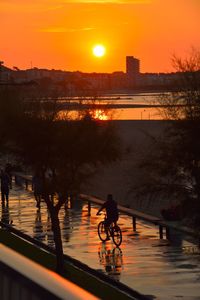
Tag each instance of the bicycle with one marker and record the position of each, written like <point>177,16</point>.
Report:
<point>113,231</point>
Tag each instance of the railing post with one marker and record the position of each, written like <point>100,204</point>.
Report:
<point>161,231</point>
<point>26,183</point>
<point>89,208</point>
<point>134,223</point>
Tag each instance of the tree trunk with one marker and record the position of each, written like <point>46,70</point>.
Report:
<point>58,241</point>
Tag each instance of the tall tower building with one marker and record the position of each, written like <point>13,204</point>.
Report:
<point>132,70</point>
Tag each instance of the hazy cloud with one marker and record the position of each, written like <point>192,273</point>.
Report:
<point>110,1</point>
<point>27,6</point>
<point>63,29</point>
<point>45,5</point>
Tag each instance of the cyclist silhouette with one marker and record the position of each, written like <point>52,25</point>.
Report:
<point>112,213</point>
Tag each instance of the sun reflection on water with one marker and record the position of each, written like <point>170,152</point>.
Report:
<point>100,114</point>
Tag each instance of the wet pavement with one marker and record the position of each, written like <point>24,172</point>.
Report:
<point>163,269</point>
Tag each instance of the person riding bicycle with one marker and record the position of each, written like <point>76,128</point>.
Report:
<point>112,213</point>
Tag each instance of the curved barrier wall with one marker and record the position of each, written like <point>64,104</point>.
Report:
<point>22,279</point>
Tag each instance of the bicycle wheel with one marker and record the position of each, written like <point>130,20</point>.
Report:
<point>117,235</point>
<point>117,251</point>
<point>102,231</point>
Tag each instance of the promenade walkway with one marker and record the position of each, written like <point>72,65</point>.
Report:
<point>152,266</point>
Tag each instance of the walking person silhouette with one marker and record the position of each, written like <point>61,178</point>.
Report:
<point>5,186</point>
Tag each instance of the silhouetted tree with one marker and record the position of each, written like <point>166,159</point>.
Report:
<point>11,112</point>
<point>71,150</point>
<point>172,166</point>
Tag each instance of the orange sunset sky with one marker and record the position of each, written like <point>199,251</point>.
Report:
<point>60,34</point>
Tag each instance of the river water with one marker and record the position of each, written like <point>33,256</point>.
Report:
<point>134,113</point>
<point>124,106</point>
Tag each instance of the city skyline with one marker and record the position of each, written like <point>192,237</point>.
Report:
<point>62,34</point>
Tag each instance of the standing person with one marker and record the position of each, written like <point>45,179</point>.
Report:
<point>5,186</point>
<point>37,188</point>
<point>8,170</point>
<point>112,213</point>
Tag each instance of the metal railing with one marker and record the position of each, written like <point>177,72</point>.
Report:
<point>22,279</point>
<point>135,214</point>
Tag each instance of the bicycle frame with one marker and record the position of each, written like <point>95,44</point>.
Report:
<point>113,231</point>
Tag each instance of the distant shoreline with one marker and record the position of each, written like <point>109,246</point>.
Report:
<point>137,91</point>
<point>73,106</point>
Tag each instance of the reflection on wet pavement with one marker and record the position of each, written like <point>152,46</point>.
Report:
<point>167,270</point>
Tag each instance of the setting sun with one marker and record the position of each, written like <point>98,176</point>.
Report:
<point>99,50</point>
<point>97,35</point>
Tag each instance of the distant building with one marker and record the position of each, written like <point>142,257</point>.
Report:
<point>132,65</point>
<point>79,83</point>
<point>159,80</point>
<point>132,70</point>
<point>5,73</point>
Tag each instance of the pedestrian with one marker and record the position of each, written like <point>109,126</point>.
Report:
<point>8,170</point>
<point>37,184</point>
<point>5,186</point>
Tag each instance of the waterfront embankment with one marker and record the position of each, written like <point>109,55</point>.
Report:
<point>119,177</point>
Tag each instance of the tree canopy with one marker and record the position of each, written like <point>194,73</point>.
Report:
<point>172,164</point>
<point>32,130</point>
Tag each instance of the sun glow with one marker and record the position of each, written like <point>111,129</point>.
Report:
<point>99,50</point>
<point>100,115</point>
